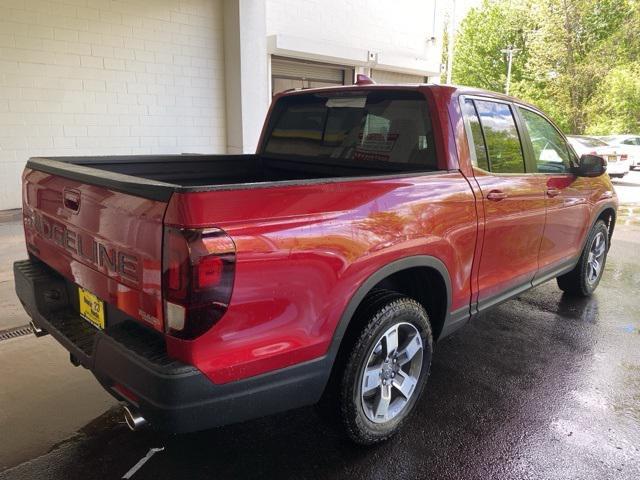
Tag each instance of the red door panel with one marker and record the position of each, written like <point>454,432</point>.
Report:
<point>568,214</point>
<point>514,207</point>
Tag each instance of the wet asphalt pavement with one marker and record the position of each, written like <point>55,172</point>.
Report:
<point>542,387</point>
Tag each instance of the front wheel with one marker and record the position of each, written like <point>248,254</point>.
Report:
<point>386,370</point>
<point>585,277</point>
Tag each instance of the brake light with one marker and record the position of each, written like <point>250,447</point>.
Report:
<point>198,272</point>
<point>623,157</point>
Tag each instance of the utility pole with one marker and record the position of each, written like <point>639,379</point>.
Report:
<point>510,51</point>
<point>450,39</point>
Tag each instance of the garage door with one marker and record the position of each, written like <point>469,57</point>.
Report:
<point>382,76</point>
<point>287,73</point>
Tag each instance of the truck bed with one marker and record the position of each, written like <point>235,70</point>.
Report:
<point>158,176</point>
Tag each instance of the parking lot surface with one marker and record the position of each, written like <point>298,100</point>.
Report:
<point>543,386</point>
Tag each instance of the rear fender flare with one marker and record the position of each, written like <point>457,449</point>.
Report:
<point>377,277</point>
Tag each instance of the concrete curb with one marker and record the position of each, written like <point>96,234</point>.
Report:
<point>8,216</point>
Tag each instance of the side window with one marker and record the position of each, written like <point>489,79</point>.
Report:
<point>550,151</point>
<point>501,137</point>
<point>475,131</point>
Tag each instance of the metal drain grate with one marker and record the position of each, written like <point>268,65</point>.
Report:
<point>15,332</point>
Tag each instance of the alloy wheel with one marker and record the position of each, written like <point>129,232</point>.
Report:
<point>596,258</point>
<point>391,373</point>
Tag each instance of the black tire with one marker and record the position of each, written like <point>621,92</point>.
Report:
<point>382,310</point>
<point>576,282</point>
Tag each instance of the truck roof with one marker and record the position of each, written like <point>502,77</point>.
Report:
<point>436,88</point>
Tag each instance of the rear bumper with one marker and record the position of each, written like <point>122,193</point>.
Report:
<point>172,396</point>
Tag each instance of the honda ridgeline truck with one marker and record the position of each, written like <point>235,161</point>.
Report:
<point>372,222</point>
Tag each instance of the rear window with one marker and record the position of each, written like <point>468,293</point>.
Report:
<point>367,128</point>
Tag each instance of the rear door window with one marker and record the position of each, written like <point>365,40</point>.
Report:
<point>501,137</point>
<point>388,127</point>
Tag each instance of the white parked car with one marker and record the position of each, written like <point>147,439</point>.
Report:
<point>629,144</point>
<point>617,162</point>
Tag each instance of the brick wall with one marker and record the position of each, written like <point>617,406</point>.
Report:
<point>89,77</point>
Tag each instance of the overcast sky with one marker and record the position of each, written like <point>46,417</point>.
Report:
<point>462,7</point>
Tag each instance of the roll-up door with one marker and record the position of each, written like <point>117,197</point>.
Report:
<point>286,74</point>
<point>382,76</point>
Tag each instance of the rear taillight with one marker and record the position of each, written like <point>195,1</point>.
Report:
<point>623,157</point>
<point>197,279</point>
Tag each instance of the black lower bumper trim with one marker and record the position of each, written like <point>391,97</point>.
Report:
<point>172,396</point>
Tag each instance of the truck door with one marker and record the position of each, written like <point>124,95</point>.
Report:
<point>567,218</point>
<point>513,200</point>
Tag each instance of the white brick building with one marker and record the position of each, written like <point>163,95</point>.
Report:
<point>96,77</point>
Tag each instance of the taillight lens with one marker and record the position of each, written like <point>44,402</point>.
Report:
<point>198,272</point>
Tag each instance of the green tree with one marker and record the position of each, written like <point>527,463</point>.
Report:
<point>484,32</point>
<point>573,52</point>
<point>569,54</point>
<point>616,105</point>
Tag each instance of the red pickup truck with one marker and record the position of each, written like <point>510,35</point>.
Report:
<point>373,221</point>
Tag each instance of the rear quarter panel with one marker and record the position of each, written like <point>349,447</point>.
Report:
<point>303,251</point>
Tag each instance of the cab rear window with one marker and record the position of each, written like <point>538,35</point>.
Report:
<point>385,127</point>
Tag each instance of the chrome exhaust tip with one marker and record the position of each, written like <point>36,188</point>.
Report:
<point>133,419</point>
<point>37,331</point>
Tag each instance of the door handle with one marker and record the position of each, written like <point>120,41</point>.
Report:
<point>553,192</point>
<point>496,195</point>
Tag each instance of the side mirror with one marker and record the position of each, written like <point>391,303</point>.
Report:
<point>591,166</point>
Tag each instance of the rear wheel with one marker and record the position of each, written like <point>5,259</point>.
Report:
<point>585,277</point>
<point>386,369</point>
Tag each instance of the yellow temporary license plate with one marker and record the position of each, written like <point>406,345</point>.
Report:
<point>91,308</point>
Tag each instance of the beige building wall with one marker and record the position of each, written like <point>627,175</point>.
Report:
<point>404,37</point>
<point>101,77</point>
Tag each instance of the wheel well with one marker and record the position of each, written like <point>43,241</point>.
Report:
<point>427,287</point>
<point>423,284</point>
<point>608,215</point>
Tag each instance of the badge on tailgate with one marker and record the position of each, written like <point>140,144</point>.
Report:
<point>91,308</point>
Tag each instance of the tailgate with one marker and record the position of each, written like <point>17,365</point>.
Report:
<point>105,241</point>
